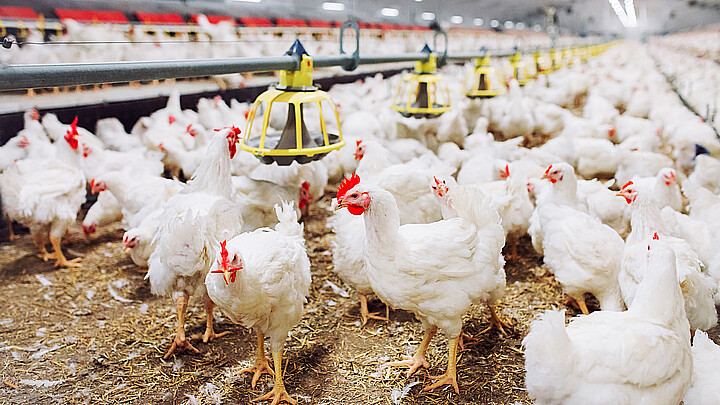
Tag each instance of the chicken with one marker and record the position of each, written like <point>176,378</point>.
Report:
<point>582,252</point>
<point>706,173</point>
<point>257,197</point>
<point>434,270</point>
<point>48,208</point>
<point>104,211</point>
<point>518,119</point>
<point>647,223</point>
<point>706,356</point>
<point>348,258</point>
<point>264,278</point>
<point>191,227</point>
<point>664,186</point>
<point>137,195</point>
<point>112,133</point>
<point>640,356</point>
<point>406,182</point>
<point>703,207</point>
<point>641,164</point>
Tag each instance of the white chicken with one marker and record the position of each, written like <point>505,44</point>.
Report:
<point>706,356</point>
<point>264,278</point>
<point>257,197</point>
<point>640,356</point>
<point>45,195</point>
<point>437,278</point>
<point>647,223</point>
<point>582,252</point>
<point>106,210</point>
<point>664,187</point>
<point>191,227</point>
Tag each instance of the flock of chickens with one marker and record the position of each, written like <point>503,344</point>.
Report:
<point>620,197</point>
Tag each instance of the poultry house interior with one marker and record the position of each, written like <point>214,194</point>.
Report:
<point>345,202</point>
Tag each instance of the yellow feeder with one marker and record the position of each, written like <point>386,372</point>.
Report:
<point>422,94</point>
<point>519,68</point>
<point>484,80</point>
<point>294,143</point>
<point>540,64</point>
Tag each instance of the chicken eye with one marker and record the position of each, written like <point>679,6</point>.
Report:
<point>434,188</point>
<point>234,258</point>
<point>354,195</point>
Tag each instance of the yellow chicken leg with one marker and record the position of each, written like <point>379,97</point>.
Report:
<point>180,342</point>
<point>278,393</point>
<point>418,360</point>
<point>262,366</point>
<point>209,330</point>
<point>450,376</point>
<point>11,231</point>
<point>366,315</point>
<point>37,238</point>
<point>60,260</point>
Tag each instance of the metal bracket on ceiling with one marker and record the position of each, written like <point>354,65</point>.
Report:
<point>441,58</point>
<point>353,63</point>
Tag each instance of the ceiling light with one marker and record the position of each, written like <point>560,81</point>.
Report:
<point>478,22</point>
<point>520,26</point>
<point>427,16</point>
<point>249,1</point>
<point>418,1</point>
<point>456,19</point>
<point>333,6</point>
<point>508,24</point>
<point>494,23</point>
<point>390,12</point>
<point>537,28</point>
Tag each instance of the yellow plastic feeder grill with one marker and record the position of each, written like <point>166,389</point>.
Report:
<point>422,94</point>
<point>484,81</point>
<point>519,69</point>
<point>294,143</point>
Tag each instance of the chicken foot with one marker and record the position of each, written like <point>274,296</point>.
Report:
<point>180,341</point>
<point>40,243</point>
<point>60,260</point>
<point>209,330</point>
<point>278,393</point>
<point>418,360</point>
<point>496,323</point>
<point>450,376</point>
<point>579,303</point>
<point>366,315</point>
<point>262,366</point>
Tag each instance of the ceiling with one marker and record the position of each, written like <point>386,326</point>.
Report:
<point>575,16</point>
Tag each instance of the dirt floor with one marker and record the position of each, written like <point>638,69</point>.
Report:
<point>96,335</point>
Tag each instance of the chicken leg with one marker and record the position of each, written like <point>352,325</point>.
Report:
<point>278,393</point>
<point>209,331</point>
<point>11,231</point>
<point>180,342</point>
<point>579,303</point>
<point>60,260</point>
<point>40,243</point>
<point>366,315</point>
<point>450,376</point>
<point>496,323</point>
<point>418,360</point>
<point>262,366</point>
<point>513,242</point>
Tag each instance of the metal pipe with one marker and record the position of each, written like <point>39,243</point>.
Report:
<point>17,77</point>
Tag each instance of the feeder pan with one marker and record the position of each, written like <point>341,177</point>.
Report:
<point>519,69</point>
<point>422,93</point>
<point>294,143</point>
<point>484,81</point>
<point>540,64</point>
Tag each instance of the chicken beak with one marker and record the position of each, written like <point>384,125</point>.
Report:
<point>545,177</point>
<point>225,275</point>
<point>620,194</point>
<point>340,205</point>
<point>127,250</point>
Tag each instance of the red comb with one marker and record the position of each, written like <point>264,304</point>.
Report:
<point>548,169</point>
<point>171,119</point>
<point>347,184</point>
<point>225,263</point>
<point>73,126</point>
<point>305,185</point>
<point>34,115</point>
<point>611,132</point>
<point>92,183</point>
<point>629,183</point>
<point>506,173</point>
<point>436,180</point>
<point>358,142</point>
<point>247,113</point>
<point>656,237</point>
